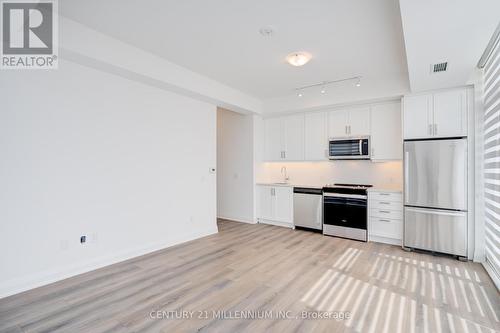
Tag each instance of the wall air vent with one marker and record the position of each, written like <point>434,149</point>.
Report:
<point>441,67</point>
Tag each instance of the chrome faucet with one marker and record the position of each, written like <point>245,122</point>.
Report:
<point>284,174</point>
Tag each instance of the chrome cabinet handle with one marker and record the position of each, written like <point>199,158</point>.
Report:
<point>384,193</point>
<point>435,129</point>
<point>384,220</point>
<point>430,129</point>
<point>384,211</point>
<point>384,203</point>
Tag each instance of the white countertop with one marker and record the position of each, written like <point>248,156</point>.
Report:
<point>290,185</point>
<point>384,188</point>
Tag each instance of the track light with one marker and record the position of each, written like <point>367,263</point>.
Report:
<point>324,84</point>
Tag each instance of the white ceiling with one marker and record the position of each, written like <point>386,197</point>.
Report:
<point>456,31</point>
<point>220,39</point>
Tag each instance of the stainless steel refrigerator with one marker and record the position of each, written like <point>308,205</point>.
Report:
<point>435,212</point>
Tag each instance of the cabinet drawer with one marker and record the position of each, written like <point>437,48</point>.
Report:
<point>386,205</point>
<point>386,196</point>
<point>386,228</point>
<point>386,214</point>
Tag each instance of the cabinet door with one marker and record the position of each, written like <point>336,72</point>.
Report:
<point>316,140</point>
<point>359,121</point>
<point>450,116</point>
<point>283,204</point>
<point>294,137</point>
<point>417,116</point>
<point>386,141</point>
<point>265,202</point>
<point>273,144</point>
<point>337,123</point>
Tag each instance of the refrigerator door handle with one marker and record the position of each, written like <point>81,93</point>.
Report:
<point>406,175</point>
<point>435,211</point>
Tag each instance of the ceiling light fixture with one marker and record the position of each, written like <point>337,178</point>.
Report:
<point>298,58</point>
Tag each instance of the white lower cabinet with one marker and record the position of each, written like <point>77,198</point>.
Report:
<point>275,205</point>
<point>385,217</point>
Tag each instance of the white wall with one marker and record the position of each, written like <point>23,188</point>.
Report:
<point>384,175</point>
<point>235,164</point>
<point>89,153</point>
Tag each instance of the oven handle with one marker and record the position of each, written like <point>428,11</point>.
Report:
<point>341,195</point>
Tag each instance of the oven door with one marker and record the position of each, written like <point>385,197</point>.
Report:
<point>345,210</point>
<point>349,149</point>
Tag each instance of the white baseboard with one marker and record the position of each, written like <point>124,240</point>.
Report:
<point>21,284</point>
<point>492,273</point>
<point>237,219</point>
<point>385,240</point>
<point>277,223</point>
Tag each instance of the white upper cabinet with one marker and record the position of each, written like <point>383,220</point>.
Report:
<point>294,138</point>
<point>450,116</point>
<point>316,138</point>
<point>337,123</point>
<point>417,116</point>
<point>284,138</point>
<point>305,136</point>
<point>273,139</point>
<point>440,114</point>
<point>351,122</point>
<point>359,121</point>
<point>386,140</point>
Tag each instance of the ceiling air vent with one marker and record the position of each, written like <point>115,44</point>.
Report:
<point>441,67</point>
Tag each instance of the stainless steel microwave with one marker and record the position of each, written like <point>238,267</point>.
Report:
<point>349,148</point>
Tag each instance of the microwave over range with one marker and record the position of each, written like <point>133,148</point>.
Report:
<point>349,148</point>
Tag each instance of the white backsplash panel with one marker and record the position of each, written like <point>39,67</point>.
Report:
<point>382,174</point>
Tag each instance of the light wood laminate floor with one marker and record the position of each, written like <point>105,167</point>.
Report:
<point>261,270</point>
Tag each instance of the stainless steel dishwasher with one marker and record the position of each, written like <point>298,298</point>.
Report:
<point>308,207</point>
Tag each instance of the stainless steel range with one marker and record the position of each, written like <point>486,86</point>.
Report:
<point>345,211</point>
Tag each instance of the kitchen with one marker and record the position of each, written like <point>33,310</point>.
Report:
<point>374,137</point>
